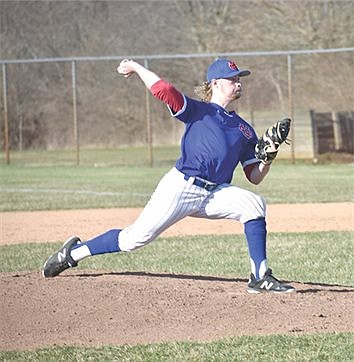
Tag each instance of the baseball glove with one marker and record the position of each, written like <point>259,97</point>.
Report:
<point>268,145</point>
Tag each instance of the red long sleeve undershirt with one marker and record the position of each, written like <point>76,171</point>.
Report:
<point>168,94</point>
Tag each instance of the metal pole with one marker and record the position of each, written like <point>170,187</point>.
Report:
<point>291,108</point>
<point>314,135</point>
<point>76,125</point>
<point>6,120</point>
<point>148,122</point>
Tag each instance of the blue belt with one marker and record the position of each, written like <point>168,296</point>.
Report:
<point>209,186</point>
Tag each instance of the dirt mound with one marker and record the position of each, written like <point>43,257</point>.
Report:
<point>93,308</point>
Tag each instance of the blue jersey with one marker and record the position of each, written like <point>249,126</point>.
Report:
<point>214,141</point>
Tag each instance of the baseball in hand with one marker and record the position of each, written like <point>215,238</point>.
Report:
<point>123,68</point>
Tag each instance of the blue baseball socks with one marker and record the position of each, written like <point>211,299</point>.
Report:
<point>101,244</point>
<point>255,231</point>
<point>256,234</point>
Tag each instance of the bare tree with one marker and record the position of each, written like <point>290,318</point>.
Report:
<point>41,94</point>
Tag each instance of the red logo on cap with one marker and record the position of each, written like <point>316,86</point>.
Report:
<point>233,66</point>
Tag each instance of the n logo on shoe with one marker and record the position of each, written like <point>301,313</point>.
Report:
<point>266,285</point>
<point>62,255</point>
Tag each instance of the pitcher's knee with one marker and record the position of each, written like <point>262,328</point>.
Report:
<point>256,208</point>
<point>130,240</point>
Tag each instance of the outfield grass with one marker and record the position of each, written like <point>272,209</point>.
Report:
<point>48,187</point>
<point>98,157</point>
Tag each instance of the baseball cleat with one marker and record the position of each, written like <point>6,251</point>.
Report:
<point>268,284</point>
<point>60,260</point>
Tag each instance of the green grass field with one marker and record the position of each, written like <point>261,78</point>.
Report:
<point>29,185</point>
<point>213,255</point>
<point>44,183</point>
<point>279,348</point>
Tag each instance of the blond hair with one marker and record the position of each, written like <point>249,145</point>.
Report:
<point>203,91</point>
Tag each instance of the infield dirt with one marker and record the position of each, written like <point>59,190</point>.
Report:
<point>94,308</point>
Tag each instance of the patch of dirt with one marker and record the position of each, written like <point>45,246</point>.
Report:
<point>52,226</point>
<point>99,308</point>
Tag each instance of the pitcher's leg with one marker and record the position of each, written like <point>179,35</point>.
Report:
<point>256,235</point>
<point>101,244</point>
<point>168,204</point>
<point>232,202</point>
<point>73,250</point>
<point>172,200</point>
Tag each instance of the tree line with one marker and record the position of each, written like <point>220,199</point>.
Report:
<point>112,111</point>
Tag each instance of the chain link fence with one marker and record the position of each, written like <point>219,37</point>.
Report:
<point>81,103</point>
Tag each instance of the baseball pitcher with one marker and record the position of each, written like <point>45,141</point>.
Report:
<point>216,139</point>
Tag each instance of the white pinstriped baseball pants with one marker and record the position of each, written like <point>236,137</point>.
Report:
<point>175,198</point>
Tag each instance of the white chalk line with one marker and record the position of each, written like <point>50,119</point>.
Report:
<point>81,192</point>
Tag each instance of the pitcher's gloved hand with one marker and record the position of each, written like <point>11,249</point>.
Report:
<point>268,145</point>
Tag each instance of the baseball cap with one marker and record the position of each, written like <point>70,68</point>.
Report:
<point>224,68</point>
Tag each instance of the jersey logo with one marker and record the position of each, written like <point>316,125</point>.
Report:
<point>246,131</point>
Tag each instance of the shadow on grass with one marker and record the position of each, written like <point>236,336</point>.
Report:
<point>162,275</point>
<point>325,288</point>
<point>315,287</point>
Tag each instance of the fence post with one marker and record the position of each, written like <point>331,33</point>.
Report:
<point>314,135</point>
<point>337,132</point>
<point>148,122</point>
<point>76,125</point>
<point>6,120</point>
<point>291,108</point>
